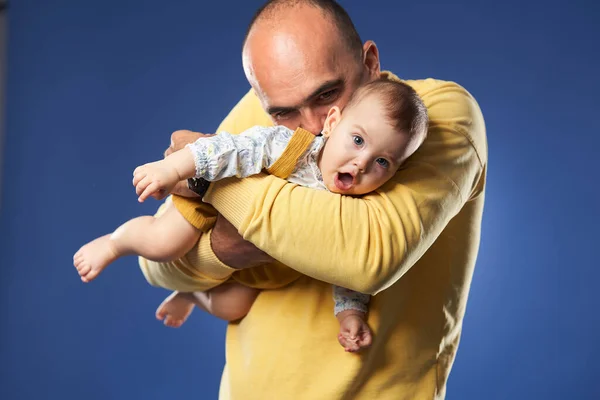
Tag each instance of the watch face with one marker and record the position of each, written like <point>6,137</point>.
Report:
<point>198,185</point>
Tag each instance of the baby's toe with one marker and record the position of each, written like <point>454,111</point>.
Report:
<point>160,314</point>
<point>84,269</point>
<point>90,275</point>
<point>168,321</point>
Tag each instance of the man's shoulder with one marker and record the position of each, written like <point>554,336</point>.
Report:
<point>428,86</point>
<point>450,104</point>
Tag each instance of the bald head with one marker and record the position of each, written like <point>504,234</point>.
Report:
<point>300,62</point>
<point>287,43</point>
<point>273,10</point>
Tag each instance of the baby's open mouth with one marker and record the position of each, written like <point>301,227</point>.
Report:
<point>344,180</point>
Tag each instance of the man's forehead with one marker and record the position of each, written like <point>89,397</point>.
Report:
<point>285,66</point>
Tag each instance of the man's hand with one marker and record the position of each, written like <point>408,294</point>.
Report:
<point>180,138</point>
<point>181,189</point>
<point>232,249</point>
<point>178,141</point>
<point>155,179</point>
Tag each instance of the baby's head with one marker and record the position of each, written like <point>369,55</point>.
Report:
<point>381,126</point>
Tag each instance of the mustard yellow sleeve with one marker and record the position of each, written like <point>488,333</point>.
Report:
<point>200,269</point>
<point>368,243</point>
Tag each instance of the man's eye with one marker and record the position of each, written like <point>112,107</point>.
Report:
<point>358,140</point>
<point>383,162</point>
<point>281,115</point>
<point>328,96</point>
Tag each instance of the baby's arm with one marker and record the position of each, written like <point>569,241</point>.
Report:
<point>213,158</point>
<point>226,155</point>
<point>351,310</point>
<point>346,299</point>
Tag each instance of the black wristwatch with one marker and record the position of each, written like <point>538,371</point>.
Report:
<point>198,186</point>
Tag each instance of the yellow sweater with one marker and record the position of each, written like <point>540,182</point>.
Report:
<point>412,244</point>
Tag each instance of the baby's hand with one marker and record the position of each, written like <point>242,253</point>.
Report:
<point>355,333</point>
<point>155,179</point>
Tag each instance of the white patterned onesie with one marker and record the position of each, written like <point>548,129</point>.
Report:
<point>225,155</point>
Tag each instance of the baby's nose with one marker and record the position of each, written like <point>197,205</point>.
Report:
<point>360,163</point>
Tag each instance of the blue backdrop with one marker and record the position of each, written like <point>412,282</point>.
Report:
<point>96,87</point>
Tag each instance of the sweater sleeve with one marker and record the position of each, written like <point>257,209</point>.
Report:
<point>366,244</point>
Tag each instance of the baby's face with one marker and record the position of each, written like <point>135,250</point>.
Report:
<point>363,150</point>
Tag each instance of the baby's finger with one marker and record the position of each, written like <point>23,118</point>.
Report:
<point>365,340</point>
<point>138,176</point>
<point>142,185</point>
<point>152,188</point>
<point>352,326</point>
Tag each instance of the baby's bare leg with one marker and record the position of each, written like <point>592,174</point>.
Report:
<point>229,301</point>
<point>164,238</point>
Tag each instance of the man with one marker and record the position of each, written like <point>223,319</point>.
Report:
<point>413,244</point>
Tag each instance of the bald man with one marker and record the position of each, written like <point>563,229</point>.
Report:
<point>412,244</point>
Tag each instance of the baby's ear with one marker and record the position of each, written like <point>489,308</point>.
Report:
<point>333,118</point>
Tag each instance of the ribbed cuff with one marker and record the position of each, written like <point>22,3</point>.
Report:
<point>208,262</point>
<point>299,143</point>
<point>187,207</point>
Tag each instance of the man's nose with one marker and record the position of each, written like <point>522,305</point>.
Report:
<point>313,122</point>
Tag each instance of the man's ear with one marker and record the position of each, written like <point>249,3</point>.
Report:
<point>371,60</point>
<point>333,118</point>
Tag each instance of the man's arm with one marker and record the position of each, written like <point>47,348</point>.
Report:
<point>367,243</point>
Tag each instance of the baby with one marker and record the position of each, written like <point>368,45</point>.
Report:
<point>360,149</point>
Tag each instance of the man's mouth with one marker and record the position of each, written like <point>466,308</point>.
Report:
<point>343,181</point>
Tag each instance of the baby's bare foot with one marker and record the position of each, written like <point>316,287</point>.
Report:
<point>93,257</point>
<point>355,333</point>
<point>175,309</point>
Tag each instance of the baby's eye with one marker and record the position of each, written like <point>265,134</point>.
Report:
<point>383,162</point>
<point>358,140</point>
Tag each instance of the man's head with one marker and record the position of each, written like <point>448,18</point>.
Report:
<point>304,56</point>
<point>382,125</point>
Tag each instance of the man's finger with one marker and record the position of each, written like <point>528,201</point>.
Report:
<point>180,138</point>
<point>159,194</point>
<point>182,189</point>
